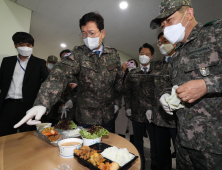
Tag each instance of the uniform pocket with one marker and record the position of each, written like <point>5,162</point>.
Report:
<point>200,67</point>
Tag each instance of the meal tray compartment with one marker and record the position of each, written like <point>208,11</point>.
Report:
<point>44,138</point>
<point>100,147</point>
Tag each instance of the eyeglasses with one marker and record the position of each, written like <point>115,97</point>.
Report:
<point>91,34</point>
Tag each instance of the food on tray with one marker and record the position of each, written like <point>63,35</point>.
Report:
<point>85,152</point>
<point>51,134</point>
<point>54,138</point>
<point>94,132</point>
<point>96,159</point>
<point>71,133</point>
<point>120,156</point>
<point>49,131</point>
<point>70,144</point>
<point>91,155</point>
<point>66,125</point>
<point>108,166</point>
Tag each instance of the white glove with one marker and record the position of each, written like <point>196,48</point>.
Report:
<point>128,112</point>
<point>163,101</point>
<point>149,115</point>
<point>67,106</point>
<point>116,108</point>
<point>37,112</point>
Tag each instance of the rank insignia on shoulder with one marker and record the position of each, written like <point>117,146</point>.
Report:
<point>68,54</point>
<point>204,71</point>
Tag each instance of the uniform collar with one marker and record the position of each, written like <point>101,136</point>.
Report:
<point>194,33</point>
<point>100,49</point>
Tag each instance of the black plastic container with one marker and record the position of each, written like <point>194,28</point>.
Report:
<point>100,147</point>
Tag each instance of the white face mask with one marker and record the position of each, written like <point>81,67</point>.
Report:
<point>144,59</point>
<point>24,51</point>
<point>175,33</point>
<point>50,66</point>
<point>92,43</point>
<point>166,49</point>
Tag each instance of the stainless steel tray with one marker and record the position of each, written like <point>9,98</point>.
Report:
<point>44,138</point>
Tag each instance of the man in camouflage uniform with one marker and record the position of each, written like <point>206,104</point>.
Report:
<point>165,124</point>
<point>51,61</point>
<point>65,108</point>
<point>196,69</point>
<point>99,74</point>
<point>139,96</point>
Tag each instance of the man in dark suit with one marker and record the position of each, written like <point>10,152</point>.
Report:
<point>20,79</point>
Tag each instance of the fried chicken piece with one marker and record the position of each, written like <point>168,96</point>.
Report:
<point>96,159</point>
<point>114,166</point>
<point>77,152</point>
<point>102,166</point>
<point>54,138</point>
<point>87,148</point>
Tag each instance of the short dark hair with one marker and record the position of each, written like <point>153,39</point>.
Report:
<point>64,51</point>
<point>160,34</point>
<point>146,45</point>
<point>22,37</point>
<point>94,17</point>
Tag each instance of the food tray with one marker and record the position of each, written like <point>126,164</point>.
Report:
<point>63,132</point>
<point>100,147</point>
<point>44,138</point>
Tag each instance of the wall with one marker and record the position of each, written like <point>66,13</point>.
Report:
<point>124,57</point>
<point>13,18</point>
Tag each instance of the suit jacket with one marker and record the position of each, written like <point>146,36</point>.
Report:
<point>36,73</point>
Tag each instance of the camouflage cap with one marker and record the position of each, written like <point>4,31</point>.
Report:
<point>167,8</point>
<point>52,59</point>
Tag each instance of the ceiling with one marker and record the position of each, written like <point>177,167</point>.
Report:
<point>57,21</point>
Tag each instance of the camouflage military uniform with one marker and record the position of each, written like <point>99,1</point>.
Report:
<point>159,116</point>
<point>99,88</point>
<point>139,94</point>
<point>55,112</point>
<point>139,97</point>
<point>199,124</point>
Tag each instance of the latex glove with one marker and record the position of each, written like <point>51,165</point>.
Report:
<point>163,101</point>
<point>37,112</point>
<point>128,112</point>
<point>67,106</point>
<point>174,101</point>
<point>116,108</point>
<point>149,115</point>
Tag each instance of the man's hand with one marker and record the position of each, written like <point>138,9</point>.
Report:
<point>125,66</point>
<point>37,112</point>
<point>128,112</point>
<point>149,115</point>
<point>68,105</point>
<point>72,85</point>
<point>164,104</point>
<point>116,108</point>
<point>192,90</point>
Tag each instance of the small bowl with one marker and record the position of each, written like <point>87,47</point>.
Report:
<point>41,126</point>
<point>88,142</point>
<point>68,151</point>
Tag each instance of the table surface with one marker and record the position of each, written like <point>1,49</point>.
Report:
<point>26,151</point>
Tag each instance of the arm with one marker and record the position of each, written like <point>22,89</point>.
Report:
<point>44,71</point>
<point>214,82</point>
<point>128,88</point>
<point>63,73</point>
<point>118,85</point>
